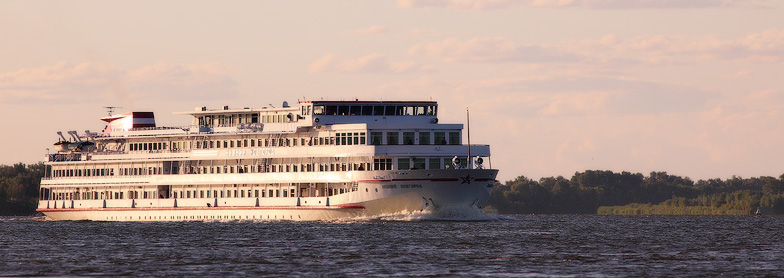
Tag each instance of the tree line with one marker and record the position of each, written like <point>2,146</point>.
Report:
<point>588,192</point>
<point>19,188</point>
<point>607,192</point>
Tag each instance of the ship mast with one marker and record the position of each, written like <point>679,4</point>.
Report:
<point>110,109</point>
<point>468,123</point>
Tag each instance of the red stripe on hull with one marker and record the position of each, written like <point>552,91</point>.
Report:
<point>434,180</point>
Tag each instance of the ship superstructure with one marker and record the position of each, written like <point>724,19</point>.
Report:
<point>315,161</point>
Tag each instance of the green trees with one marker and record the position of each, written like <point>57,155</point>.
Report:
<point>587,192</point>
<point>606,192</point>
<point>19,188</point>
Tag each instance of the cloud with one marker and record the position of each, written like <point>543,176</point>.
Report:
<point>372,63</point>
<point>584,4</point>
<point>424,32</point>
<point>371,30</point>
<point>611,50</point>
<point>72,83</point>
<point>198,81</point>
<point>60,82</point>
<point>583,95</point>
<point>497,49</point>
<point>766,46</point>
<point>560,96</point>
<point>458,4</point>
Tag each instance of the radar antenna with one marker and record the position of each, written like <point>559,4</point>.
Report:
<point>110,109</point>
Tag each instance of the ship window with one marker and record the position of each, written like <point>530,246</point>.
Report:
<point>434,163</point>
<point>440,138</point>
<point>403,164</point>
<point>389,110</point>
<point>448,163</point>
<point>343,110</point>
<point>419,163</point>
<point>392,138</point>
<point>331,110</point>
<point>318,110</point>
<point>367,110</point>
<point>408,138</point>
<point>378,110</point>
<point>355,110</point>
<point>420,110</point>
<point>400,110</point>
<point>424,138</point>
<point>408,110</point>
<point>454,138</point>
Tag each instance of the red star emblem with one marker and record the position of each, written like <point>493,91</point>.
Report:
<point>467,179</point>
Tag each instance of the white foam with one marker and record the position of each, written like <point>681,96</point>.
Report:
<point>461,213</point>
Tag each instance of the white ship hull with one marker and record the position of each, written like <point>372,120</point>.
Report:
<point>377,193</point>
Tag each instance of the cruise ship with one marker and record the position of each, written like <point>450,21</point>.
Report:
<point>318,160</point>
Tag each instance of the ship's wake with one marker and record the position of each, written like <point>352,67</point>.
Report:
<point>461,213</point>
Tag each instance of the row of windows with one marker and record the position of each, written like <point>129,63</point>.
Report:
<point>82,172</point>
<point>255,191</point>
<point>340,139</point>
<point>147,146</point>
<point>415,138</point>
<point>375,110</point>
<point>378,164</point>
<point>228,120</point>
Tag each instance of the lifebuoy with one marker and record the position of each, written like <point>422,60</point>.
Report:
<point>316,120</point>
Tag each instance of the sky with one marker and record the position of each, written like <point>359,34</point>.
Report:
<point>694,88</point>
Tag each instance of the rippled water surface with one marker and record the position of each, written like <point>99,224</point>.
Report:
<point>404,245</point>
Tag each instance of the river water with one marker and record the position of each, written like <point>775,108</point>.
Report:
<point>422,244</point>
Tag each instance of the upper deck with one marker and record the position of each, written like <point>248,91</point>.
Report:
<point>314,114</point>
<point>375,122</point>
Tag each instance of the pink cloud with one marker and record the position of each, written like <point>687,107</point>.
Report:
<point>586,4</point>
<point>372,63</point>
<point>371,30</point>
<point>611,50</point>
<point>85,82</point>
<point>497,49</point>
